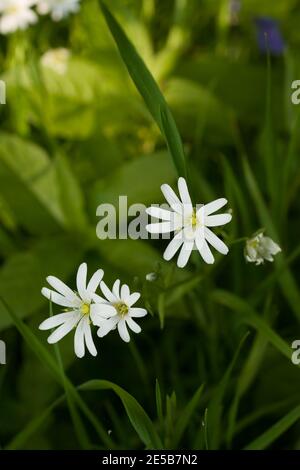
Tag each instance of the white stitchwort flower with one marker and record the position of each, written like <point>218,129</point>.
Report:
<point>119,306</point>
<point>56,60</point>
<point>81,309</point>
<point>58,9</point>
<point>16,14</point>
<point>260,248</point>
<point>190,224</point>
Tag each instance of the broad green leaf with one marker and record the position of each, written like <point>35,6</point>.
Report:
<point>148,89</point>
<point>136,414</point>
<point>28,185</point>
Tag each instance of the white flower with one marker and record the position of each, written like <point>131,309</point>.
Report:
<point>16,14</point>
<point>119,304</point>
<point>190,224</point>
<point>58,9</point>
<point>81,309</point>
<point>260,248</point>
<point>151,277</point>
<point>56,60</point>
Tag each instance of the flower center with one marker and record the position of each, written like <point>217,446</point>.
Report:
<point>194,219</point>
<point>12,10</point>
<point>121,308</point>
<point>85,309</point>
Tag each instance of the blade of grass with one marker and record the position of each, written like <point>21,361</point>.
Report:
<point>79,428</point>
<point>148,89</point>
<point>249,316</point>
<point>135,412</point>
<point>215,407</point>
<point>286,280</point>
<point>275,431</point>
<point>186,416</point>
<point>159,406</point>
<point>46,358</point>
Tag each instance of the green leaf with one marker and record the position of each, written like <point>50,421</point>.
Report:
<point>286,279</point>
<point>24,273</point>
<point>136,414</point>
<point>173,140</point>
<point>186,416</point>
<point>148,89</point>
<point>28,185</point>
<point>33,426</point>
<point>70,194</point>
<point>46,358</point>
<point>249,316</point>
<point>269,436</point>
<point>215,407</point>
<point>159,407</point>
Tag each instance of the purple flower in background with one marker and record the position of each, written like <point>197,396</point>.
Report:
<point>269,36</point>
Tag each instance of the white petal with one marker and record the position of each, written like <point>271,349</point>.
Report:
<point>79,346</point>
<point>173,246</point>
<point>185,196</point>
<point>98,299</point>
<point>171,198</point>
<point>106,326</point>
<point>94,282</point>
<point>133,325</point>
<point>159,213</point>
<point>185,253</point>
<point>123,332</point>
<point>60,299</point>
<point>125,292</point>
<point>116,288</point>
<point>215,241</point>
<point>61,287</point>
<point>137,312</point>
<point>98,312</point>
<point>62,330</point>
<point>215,205</point>
<point>56,320</point>
<point>107,293</point>
<point>160,227</point>
<point>88,336</point>
<point>81,281</point>
<point>204,250</point>
<point>133,298</point>
<point>216,220</point>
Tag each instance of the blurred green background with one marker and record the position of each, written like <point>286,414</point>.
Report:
<point>78,134</point>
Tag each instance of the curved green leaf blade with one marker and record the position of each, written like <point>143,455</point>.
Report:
<point>136,414</point>
<point>148,89</point>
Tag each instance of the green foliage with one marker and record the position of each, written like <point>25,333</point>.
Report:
<point>150,91</point>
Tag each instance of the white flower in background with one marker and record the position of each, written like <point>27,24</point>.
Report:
<point>119,306</point>
<point>80,310</point>
<point>16,14</point>
<point>151,277</point>
<point>190,225</point>
<point>58,9</point>
<point>56,60</point>
<point>261,248</point>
